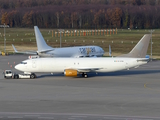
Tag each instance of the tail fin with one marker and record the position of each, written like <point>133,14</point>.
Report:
<point>41,44</point>
<point>140,50</point>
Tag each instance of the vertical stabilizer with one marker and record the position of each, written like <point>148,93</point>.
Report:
<point>41,44</point>
<point>140,50</point>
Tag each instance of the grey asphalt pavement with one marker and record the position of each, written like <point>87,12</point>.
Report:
<point>125,95</point>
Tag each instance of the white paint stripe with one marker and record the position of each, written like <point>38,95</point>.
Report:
<point>32,115</point>
<point>79,116</point>
<point>89,115</point>
<point>72,118</point>
<point>46,118</point>
<point>14,117</point>
<point>114,118</point>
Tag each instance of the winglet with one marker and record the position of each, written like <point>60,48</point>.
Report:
<point>41,44</point>
<point>140,50</point>
<point>24,52</point>
<point>15,50</point>
<point>110,52</point>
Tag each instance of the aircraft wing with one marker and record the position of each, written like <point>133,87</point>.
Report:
<point>24,52</point>
<point>86,69</point>
<point>110,51</point>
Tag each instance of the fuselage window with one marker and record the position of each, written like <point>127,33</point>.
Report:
<point>23,62</point>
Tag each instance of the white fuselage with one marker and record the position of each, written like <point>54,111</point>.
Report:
<point>58,65</point>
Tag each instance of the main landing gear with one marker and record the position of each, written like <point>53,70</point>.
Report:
<point>84,75</point>
<point>32,76</point>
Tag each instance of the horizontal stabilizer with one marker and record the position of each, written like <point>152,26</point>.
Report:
<point>143,60</point>
<point>44,51</point>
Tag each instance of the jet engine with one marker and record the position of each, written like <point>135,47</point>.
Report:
<point>70,72</point>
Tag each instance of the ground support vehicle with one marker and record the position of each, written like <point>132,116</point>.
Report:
<point>10,74</point>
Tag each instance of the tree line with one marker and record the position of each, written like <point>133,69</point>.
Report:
<point>83,14</point>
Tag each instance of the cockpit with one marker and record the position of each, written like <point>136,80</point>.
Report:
<point>23,63</point>
<point>101,50</point>
<point>22,66</point>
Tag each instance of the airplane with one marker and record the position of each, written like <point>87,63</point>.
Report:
<point>47,51</point>
<point>77,66</point>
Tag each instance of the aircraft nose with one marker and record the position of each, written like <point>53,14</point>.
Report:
<point>102,51</point>
<point>17,67</point>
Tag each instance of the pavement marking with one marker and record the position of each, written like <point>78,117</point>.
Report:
<point>14,117</point>
<point>79,116</point>
<point>72,118</point>
<point>114,118</point>
<point>32,115</point>
<point>145,86</point>
<point>46,118</point>
<point>74,114</point>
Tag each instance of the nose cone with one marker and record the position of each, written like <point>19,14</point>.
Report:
<point>101,50</point>
<point>17,67</point>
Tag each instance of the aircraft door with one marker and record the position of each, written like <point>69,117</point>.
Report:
<point>34,64</point>
<point>126,64</point>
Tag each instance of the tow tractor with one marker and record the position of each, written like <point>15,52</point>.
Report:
<point>10,74</point>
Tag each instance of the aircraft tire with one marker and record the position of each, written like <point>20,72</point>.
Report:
<point>16,76</point>
<point>32,76</point>
<point>85,75</point>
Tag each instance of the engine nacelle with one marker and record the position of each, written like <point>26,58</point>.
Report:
<point>70,72</point>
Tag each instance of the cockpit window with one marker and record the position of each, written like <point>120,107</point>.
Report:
<point>23,62</point>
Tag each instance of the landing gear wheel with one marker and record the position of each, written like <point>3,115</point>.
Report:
<point>16,76</point>
<point>84,75</point>
<point>32,76</point>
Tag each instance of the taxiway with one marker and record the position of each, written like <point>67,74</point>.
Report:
<point>124,95</point>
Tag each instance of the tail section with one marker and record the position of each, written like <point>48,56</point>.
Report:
<point>41,44</point>
<point>140,50</point>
